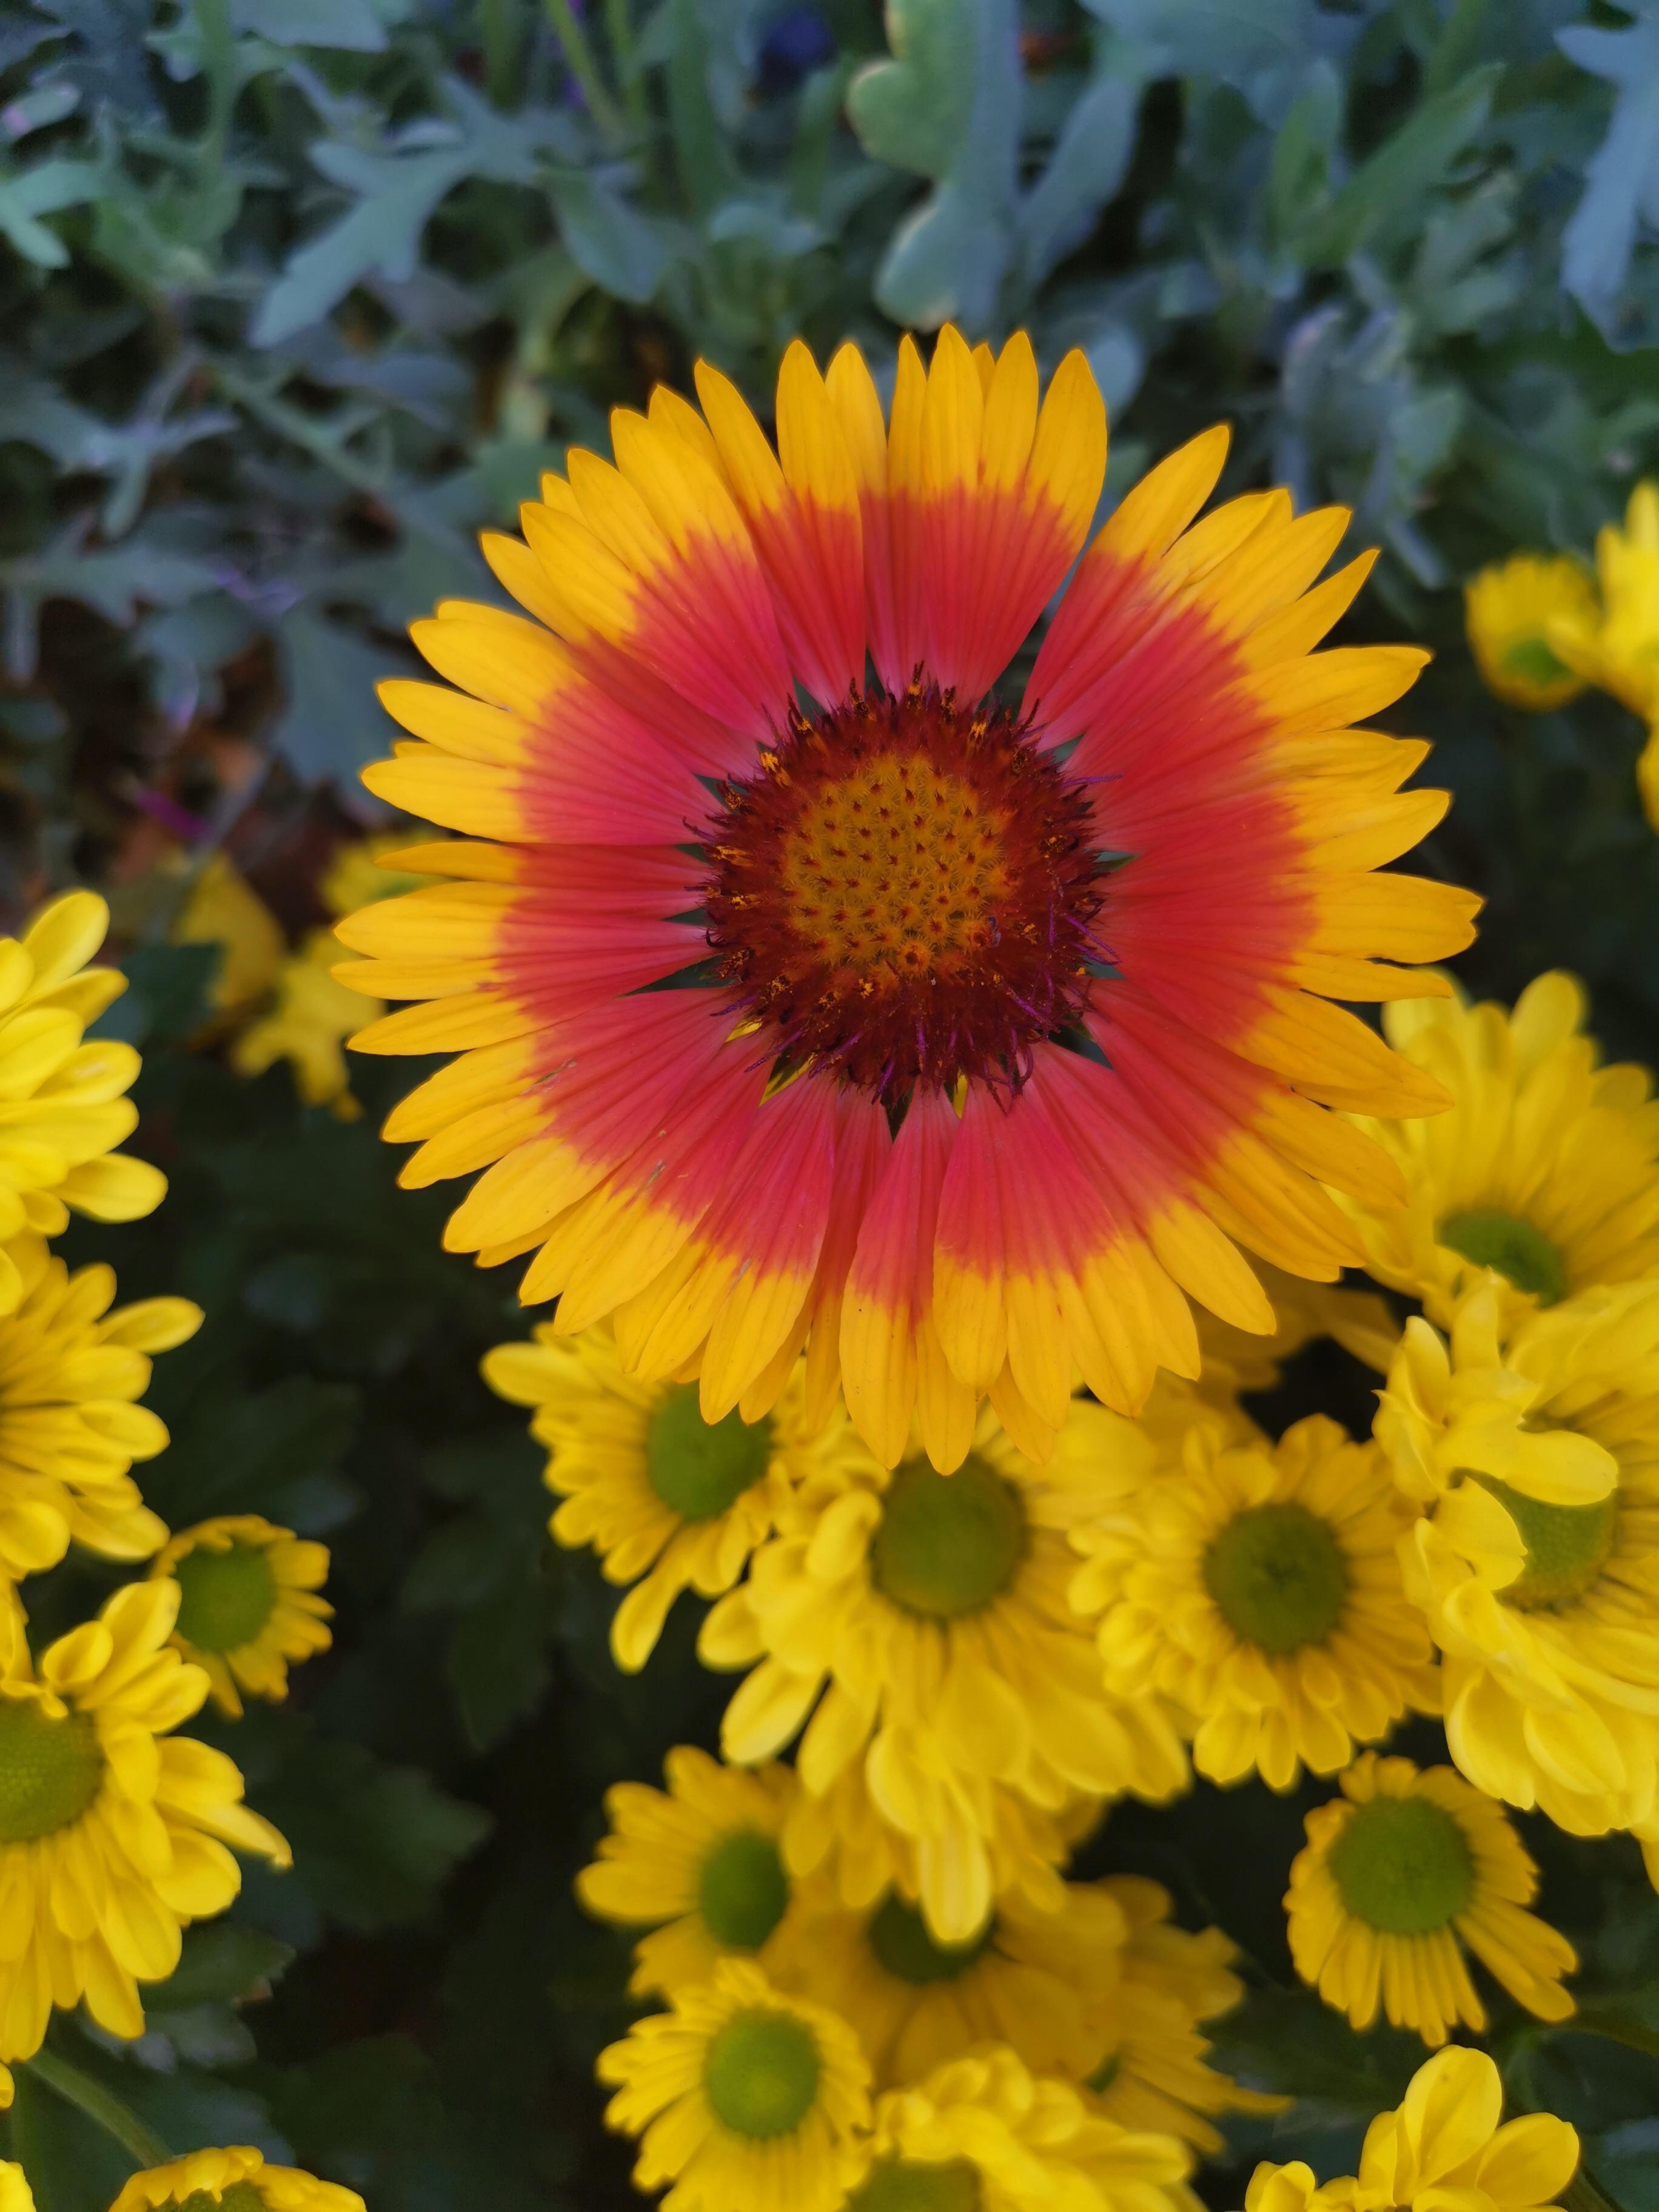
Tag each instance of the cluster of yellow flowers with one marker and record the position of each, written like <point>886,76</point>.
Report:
<point>971,1667</point>
<point>115,1832</point>
<point>1541,628</point>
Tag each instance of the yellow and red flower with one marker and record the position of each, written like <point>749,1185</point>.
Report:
<point>952,1036</point>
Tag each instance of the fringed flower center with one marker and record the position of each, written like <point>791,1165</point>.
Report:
<point>1567,1546</point>
<point>906,892</point>
<point>1403,1866</point>
<point>1277,1577</point>
<point>1489,1237</point>
<point>906,2185</point>
<point>699,1469</point>
<point>947,1543</point>
<point>901,1942</point>
<point>225,1598</point>
<point>742,1890</point>
<point>52,1767</point>
<point>761,2074</point>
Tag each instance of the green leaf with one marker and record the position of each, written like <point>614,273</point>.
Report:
<point>47,189</point>
<point>353,25</point>
<point>332,725</point>
<point>1621,183</point>
<point>222,1962</point>
<point>1385,193</point>
<point>1089,163</point>
<point>623,251</point>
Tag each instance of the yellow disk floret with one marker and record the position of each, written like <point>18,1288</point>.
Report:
<point>746,2100</point>
<point>71,1372</point>
<point>250,1604</point>
<point>700,1865</point>
<point>1402,1873</point>
<point>981,2135</point>
<point>1545,1169</point>
<point>1515,613</point>
<point>917,1626</point>
<point>669,1501</point>
<point>1256,1590</point>
<point>237,2180</point>
<point>112,1831</point>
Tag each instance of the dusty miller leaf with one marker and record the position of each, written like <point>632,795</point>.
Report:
<point>1621,183</point>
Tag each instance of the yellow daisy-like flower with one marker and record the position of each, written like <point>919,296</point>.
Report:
<point>700,1865</point>
<point>1617,645</point>
<point>113,1832</point>
<point>1155,2075</point>
<point>15,2195</point>
<point>1256,1590</point>
<point>1039,1981</point>
<point>221,908</point>
<point>62,1108</point>
<point>668,1501</point>
<point>360,871</point>
<point>1538,1569</point>
<point>746,2100</point>
<point>1401,1874</point>
<point>70,1375</point>
<point>249,1604</point>
<point>1447,2148</point>
<point>1545,1169</point>
<point>237,2180</point>
<point>1514,613</point>
<point>918,1624</point>
<point>981,2135</point>
<point>307,1025</point>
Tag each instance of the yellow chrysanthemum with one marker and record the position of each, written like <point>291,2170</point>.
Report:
<point>1617,646</point>
<point>1447,2148</point>
<point>747,2100</point>
<point>1545,1169</point>
<point>15,2195</point>
<point>1399,1875</point>
<point>307,1025</point>
<point>238,2179</point>
<point>70,1375</point>
<point>1256,1590</point>
<point>1514,612</point>
<point>1154,2074</point>
<point>979,2134</point>
<point>1041,1981</point>
<point>700,1866</point>
<point>1538,1571</point>
<point>249,1604</point>
<point>113,1832</point>
<point>668,1501</point>
<point>221,908</point>
<point>918,1624</point>
<point>62,1108</point>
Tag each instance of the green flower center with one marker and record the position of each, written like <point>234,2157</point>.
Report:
<point>697,1468</point>
<point>1531,661</point>
<point>947,1543</point>
<point>1492,1238</point>
<point>225,1597</point>
<point>905,2184</point>
<point>1567,1546</point>
<point>900,1939</point>
<point>1106,2073</point>
<point>743,1891</point>
<point>50,1769</point>
<point>761,2073</point>
<point>1403,1866</point>
<point>1278,1578</point>
<point>240,2197</point>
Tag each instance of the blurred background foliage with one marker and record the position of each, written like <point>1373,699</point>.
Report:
<point>296,294</point>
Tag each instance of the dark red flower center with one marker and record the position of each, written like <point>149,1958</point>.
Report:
<point>906,892</point>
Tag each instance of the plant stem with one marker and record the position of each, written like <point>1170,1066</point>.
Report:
<point>578,60</point>
<point>100,2105</point>
<point>619,28</point>
<point>1584,2195</point>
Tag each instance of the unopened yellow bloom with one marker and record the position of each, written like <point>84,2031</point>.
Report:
<point>700,1866</point>
<point>112,1831</point>
<point>307,1025</point>
<point>746,2100</point>
<point>239,2181</point>
<point>1403,1872</point>
<point>1545,1169</point>
<point>72,1373</point>
<point>983,2132</point>
<point>250,1604</point>
<point>1513,612</point>
<point>1255,1589</point>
